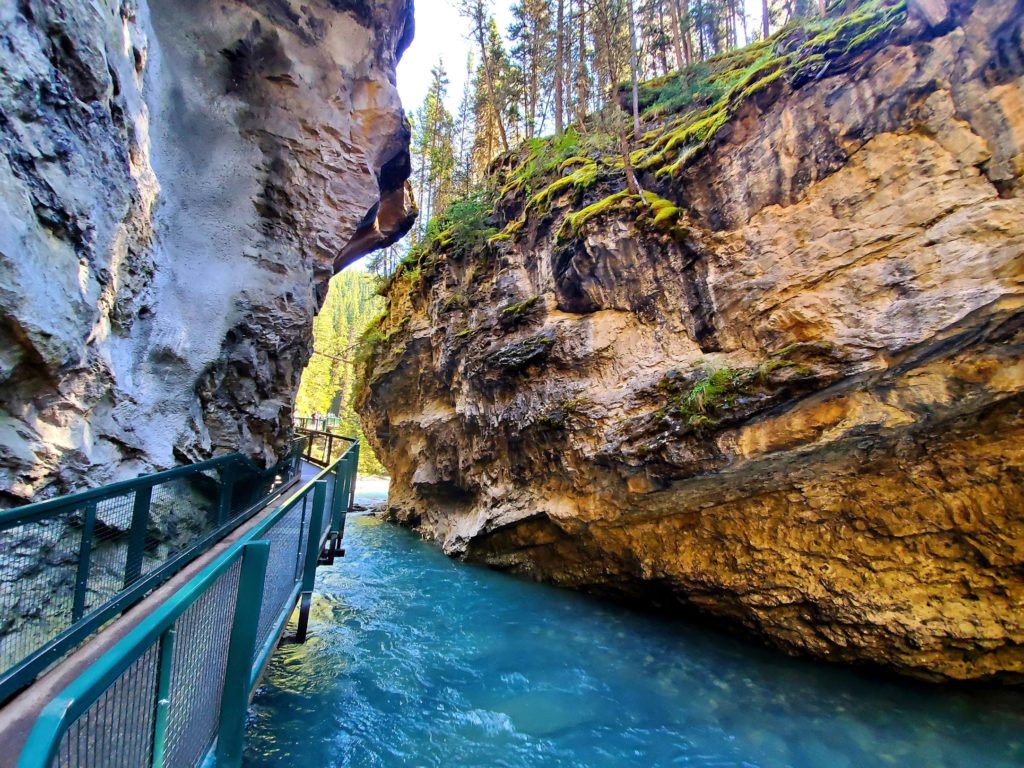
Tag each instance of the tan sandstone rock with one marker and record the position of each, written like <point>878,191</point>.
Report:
<point>804,416</point>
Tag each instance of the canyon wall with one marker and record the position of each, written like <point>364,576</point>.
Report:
<point>178,181</point>
<point>784,390</point>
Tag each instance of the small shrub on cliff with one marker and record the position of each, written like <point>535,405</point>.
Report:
<point>368,341</point>
<point>717,395</point>
<point>517,312</point>
<point>705,401</point>
<point>462,230</point>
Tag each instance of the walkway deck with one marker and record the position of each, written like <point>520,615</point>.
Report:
<point>21,714</point>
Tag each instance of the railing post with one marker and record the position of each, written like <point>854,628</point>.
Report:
<point>354,475</point>
<point>340,500</point>
<point>137,536</point>
<point>227,490</point>
<point>84,557</point>
<point>163,697</point>
<point>316,522</point>
<point>235,698</point>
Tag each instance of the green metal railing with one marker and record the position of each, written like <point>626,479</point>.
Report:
<point>173,693</point>
<point>69,565</point>
<point>323,448</point>
<point>324,423</point>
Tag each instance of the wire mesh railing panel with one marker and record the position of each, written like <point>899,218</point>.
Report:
<point>286,551</point>
<point>66,566</point>
<point>117,730</point>
<point>198,664</point>
<point>109,549</point>
<point>337,450</point>
<point>180,512</point>
<point>318,447</point>
<point>39,563</point>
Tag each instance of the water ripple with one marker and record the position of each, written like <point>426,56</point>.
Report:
<point>415,660</point>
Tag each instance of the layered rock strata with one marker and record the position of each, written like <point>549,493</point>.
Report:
<point>178,181</point>
<point>799,409</point>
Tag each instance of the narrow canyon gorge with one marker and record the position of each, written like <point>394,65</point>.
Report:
<point>776,382</point>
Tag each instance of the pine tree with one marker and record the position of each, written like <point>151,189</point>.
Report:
<point>464,136</point>
<point>560,67</point>
<point>532,37</point>
<point>481,23</point>
<point>328,382</point>
<point>433,153</point>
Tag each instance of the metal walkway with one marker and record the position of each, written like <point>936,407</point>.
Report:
<point>167,684</point>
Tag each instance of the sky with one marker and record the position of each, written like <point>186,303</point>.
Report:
<point>442,34</point>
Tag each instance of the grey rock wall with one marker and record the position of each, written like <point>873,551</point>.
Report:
<point>178,181</point>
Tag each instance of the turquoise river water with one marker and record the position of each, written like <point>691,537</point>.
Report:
<point>417,660</point>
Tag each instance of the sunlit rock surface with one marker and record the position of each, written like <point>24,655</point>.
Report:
<point>801,415</point>
<point>178,180</point>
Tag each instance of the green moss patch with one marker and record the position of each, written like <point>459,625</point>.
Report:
<point>538,159</point>
<point>716,396</point>
<point>575,222</point>
<point>517,312</point>
<point>578,180</point>
<point>708,94</point>
<point>455,301</point>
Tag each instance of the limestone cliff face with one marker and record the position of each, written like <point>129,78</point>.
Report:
<point>178,181</point>
<point>798,409</point>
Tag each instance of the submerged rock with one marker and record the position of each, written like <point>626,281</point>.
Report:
<point>786,390</point>
<point>178,182</point>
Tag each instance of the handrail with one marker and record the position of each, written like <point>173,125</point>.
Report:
<point>100,550</point>
<point>316,437</point>
<point>28,512</point>
<point>141,666</point>
<point>33,511</point>
<point>316,422</point>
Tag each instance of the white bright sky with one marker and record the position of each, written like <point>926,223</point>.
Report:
<point>442,34</point>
